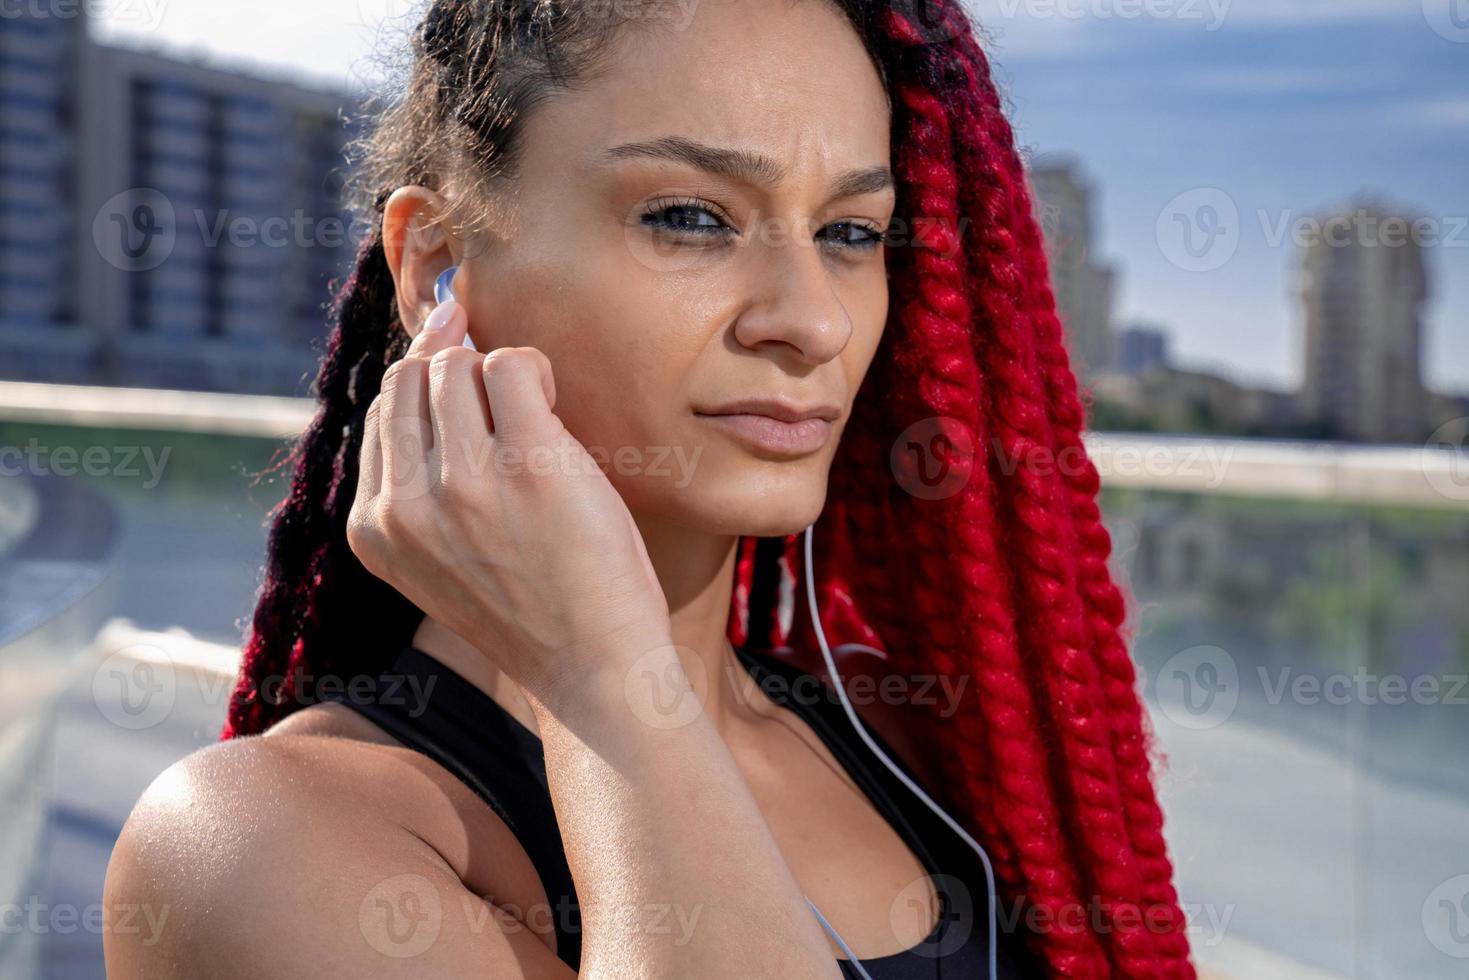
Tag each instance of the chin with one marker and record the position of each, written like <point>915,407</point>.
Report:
<point>773,526</point>
<point>736,493</point>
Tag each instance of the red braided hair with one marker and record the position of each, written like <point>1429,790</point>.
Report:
<point>1050,757</point>
<point>1003,578</point>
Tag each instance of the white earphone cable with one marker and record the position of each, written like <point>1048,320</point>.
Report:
<point>851,956</point>
<point>443,291</point>
<point>989,871</point>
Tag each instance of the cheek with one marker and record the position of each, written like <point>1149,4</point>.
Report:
<point>870,314</point>
<point>620,365</point>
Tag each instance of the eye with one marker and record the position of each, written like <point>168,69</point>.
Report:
<point>871,236</point>
<point>698,219</point>
<point>683,216</point>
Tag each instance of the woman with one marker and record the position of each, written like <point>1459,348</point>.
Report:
<point>737,265</point>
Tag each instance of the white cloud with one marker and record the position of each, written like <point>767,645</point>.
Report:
<point>1435,113</point>
<point>333,41</point>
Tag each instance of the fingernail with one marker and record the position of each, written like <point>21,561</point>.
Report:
<point>441,315</point>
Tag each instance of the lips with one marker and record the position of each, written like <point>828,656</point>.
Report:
<point>776,409</point>
<point>777,429</point>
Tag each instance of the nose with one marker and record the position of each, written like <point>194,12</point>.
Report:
<point>796,305</point>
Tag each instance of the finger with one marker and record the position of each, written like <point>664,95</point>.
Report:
<point>460,409</point>
<point>521,388</point>
<point>444,327</point>
<point>548,377</point>
<point>370,455</point>
<point>405,432</point>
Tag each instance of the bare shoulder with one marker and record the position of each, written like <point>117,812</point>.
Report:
<point>296,854</point>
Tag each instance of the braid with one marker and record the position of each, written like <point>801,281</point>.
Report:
<point>1103,603</point>
<point>1005,716</point>
<point>1106,611</point>
<point>310,571</point>
<point>1049,761</point>
<point>1068,672</point>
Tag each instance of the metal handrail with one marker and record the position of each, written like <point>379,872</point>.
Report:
<point>1351,473</point>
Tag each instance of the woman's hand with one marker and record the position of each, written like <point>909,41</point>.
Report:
<point>477,504</point>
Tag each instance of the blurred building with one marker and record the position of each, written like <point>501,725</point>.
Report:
<point>166,223</point>
<point>1448,418</point>
<point>1141,348</point>
<point>1197,553</point>
<point>1167,398</point>
<point>1362,288</point>
<point>1083,285</point>
<point>40,63</point>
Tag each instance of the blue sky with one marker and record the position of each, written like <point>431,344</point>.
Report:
<point>1286,108</point>
<point>1291,108</point>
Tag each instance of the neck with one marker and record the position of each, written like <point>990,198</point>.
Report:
<point>696,572</point>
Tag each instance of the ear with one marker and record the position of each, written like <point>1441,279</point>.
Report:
<point>418,248</point>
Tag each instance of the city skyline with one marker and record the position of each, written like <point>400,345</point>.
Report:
<point>147,203</point>
<point>1361,281</point>
<point>1285,112</point>
<point>1265,102</point>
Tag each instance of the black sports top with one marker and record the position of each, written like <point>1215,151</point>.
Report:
<point>502,761</point>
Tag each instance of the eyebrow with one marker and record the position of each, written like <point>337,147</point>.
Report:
<point>743,165</point>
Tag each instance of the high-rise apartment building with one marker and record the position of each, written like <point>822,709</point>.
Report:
<point>1083,285</point>
<point>163,223</point>
<point>1363,283</point>
<point>40,71</point>
<point>1141,348</point>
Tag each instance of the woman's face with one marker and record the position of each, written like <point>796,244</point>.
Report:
<point>663,290</point>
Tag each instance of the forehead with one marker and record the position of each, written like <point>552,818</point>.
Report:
<point>788,80</point>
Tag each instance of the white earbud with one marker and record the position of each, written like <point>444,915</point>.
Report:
<point>443,292</point>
